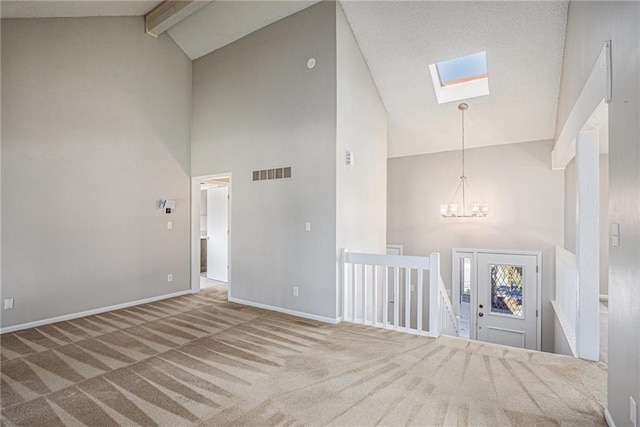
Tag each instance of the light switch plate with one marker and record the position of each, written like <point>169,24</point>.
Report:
<point>349,158</point>
<point>307,226</point>
<point>170,225</point>
<point>8,304</point>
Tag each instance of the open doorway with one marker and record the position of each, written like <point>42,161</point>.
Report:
<point>211,199</point>
<point>214,232</point>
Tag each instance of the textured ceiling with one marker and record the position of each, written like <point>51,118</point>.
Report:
<point>64,8</point>
<point>223,22</point>
<point>524,42</point>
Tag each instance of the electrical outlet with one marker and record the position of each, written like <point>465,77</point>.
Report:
<point>169,277</point>
<point>170,225</point>
<point>8,304</point>
<point>633,412</point>
<point>295,291</point>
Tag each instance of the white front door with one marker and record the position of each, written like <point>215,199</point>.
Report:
<point>506,299</point>
<point>218,233</point>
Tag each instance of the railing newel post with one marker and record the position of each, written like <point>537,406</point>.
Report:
<point>434,297</point>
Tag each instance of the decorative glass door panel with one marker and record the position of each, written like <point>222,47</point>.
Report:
<point>506,289</point>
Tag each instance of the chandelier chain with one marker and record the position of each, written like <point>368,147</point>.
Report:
<point>463,178</point>
<point>462,143</point>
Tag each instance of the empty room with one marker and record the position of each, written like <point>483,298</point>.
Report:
<point>344,213</point>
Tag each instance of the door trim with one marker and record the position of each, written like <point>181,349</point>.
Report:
<point>195,230</point>
<point>473,253</point>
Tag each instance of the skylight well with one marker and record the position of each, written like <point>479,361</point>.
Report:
<point>460,78</point>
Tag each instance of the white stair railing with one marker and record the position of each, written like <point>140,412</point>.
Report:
<point>388,291</point>
<point>449,320</point>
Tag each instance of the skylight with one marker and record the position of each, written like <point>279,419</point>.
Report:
<point>463,69</point>
<point>460,78</point>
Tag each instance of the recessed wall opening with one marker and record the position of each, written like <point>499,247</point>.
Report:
<point>211,231</point>
<point>214,231</point>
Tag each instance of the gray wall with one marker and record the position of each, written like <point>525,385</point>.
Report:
<point>571,212</point>
<point>256,105</point>
<point>95,131</point>
<point>526,207</point>
<point>589,25</point>
<point>361,128</point>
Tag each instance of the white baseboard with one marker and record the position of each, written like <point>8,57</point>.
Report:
<point>604,297</point>
<point>287,311</point>
<point>608,419</point>
<point>72,316</point>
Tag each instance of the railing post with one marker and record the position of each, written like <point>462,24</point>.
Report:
<point>344,280</point>
<point>374,272</point>
<point>434,298</point>
<point>396,298</point>
<point>407,299</point>
<point>363,277</point>
<point>385,297</point>
<point>353,292</point>
<point>419,302</point>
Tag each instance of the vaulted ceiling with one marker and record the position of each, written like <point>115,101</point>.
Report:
<point>524,42</point>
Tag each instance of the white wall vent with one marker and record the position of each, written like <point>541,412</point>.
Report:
<point>268,174</point>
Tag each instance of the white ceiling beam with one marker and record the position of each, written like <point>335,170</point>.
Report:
<point>589,111</point>
<point>169,13</point>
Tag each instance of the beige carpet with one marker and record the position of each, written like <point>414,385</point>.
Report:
<point>201,360</point>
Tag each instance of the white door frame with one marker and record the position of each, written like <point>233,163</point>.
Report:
<point>455,285</point>
<point>195,229</point>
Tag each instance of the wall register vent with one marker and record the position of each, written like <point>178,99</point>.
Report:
<point>267,174</point>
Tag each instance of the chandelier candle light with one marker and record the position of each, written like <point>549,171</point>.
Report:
<point>477,209</point>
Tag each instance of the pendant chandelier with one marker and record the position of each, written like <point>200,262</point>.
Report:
<point>450,210</point>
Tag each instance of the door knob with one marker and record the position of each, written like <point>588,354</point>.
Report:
<point>481,306</point>
<point>480,314</point>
